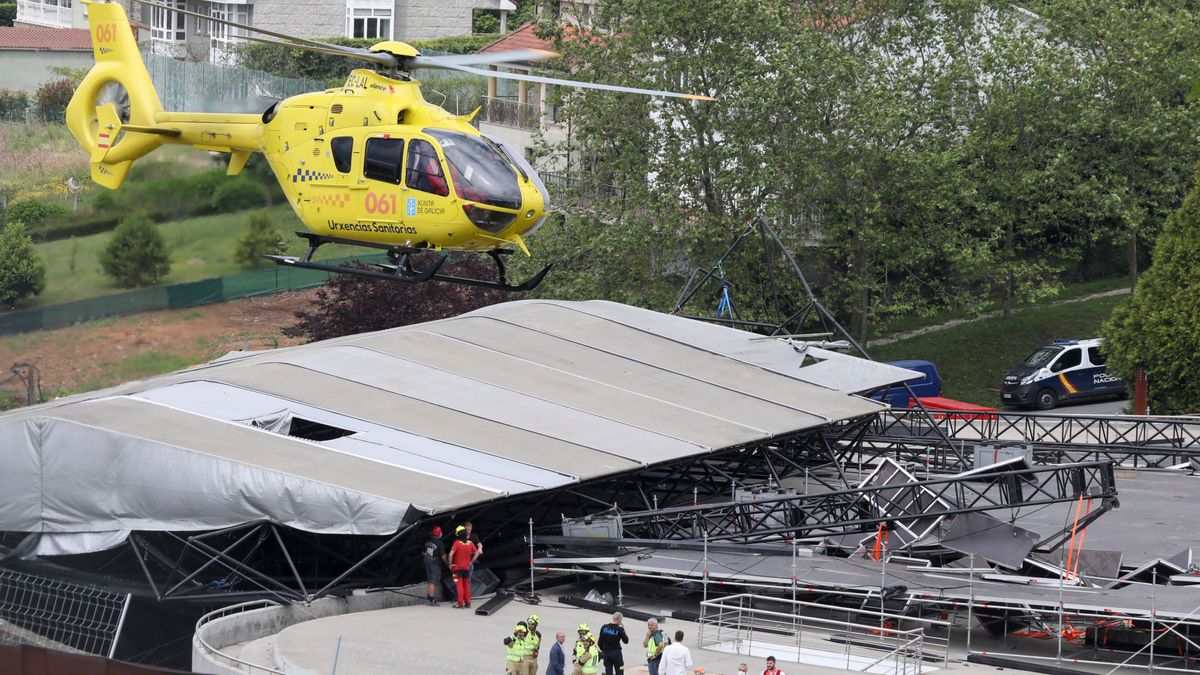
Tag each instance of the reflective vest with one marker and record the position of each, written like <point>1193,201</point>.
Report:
<point>533,642</point>
<point>579,648</point>
<point>652,645</point>
<point>590,660</point>
<point>516,649</point>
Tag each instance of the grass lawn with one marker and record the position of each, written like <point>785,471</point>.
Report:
<point>974,357</point>
<point>200,248</point>
<point>1067,292</point>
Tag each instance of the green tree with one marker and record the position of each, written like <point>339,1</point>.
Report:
<point>136,254</point>
<point>1157,327</point>
<point>261,238</point>
<point>22,270</point>
<point>1136,132</point>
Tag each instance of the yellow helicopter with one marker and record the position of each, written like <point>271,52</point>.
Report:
<point>370,163</point>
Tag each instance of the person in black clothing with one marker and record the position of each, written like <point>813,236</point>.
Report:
<point>433,554</point>
<point>611,637</point>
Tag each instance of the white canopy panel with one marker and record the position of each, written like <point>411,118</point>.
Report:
<point>352,435</point>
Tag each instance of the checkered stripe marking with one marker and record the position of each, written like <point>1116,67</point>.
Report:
<point>306,175</point>
<point>338,200</point>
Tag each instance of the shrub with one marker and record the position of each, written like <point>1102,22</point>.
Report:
<point>204,185</point>
<point>1157,327</point>
<point>35,213</point>
<point>136,254</point>
<point>22,270</point>
<point>238,194</point>
<point>348,304</point>
<point>105,200</point>
<point>8,13</point>
<point>261,238</point>
<point>13,104</point>
<point>52,99</point>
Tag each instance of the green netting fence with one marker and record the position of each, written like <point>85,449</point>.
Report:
<point>178,296</point>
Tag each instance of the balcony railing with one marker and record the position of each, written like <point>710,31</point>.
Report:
<point>509,113</point>
<point>43,14</point>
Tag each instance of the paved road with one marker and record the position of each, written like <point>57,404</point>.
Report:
<point>1105,407</point>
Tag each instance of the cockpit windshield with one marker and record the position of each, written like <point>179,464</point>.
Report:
<point>480,173</point>
<point>1042,356</point>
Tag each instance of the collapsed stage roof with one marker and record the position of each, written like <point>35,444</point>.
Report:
<point>356,435</point>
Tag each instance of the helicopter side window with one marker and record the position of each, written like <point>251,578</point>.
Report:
<point>382,160</point>
<point>424,169</point>
<point>343,150</point>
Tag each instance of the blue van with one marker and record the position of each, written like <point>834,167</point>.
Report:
<point>928,384</point>
<point>1064,370</point>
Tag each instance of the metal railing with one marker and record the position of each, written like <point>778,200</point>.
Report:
<point>43,14</point>
<point>1123,439</point>
<point>509,113</point>
<point>864,640</point>
<point>216,652</point>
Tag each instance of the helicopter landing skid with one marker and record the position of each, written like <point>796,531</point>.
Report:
<point>399,267</point>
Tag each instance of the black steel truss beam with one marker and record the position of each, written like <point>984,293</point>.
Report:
<point>859,509</point>
<point>1153,442</point>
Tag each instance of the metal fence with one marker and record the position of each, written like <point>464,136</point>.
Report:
<point>812,633</point>
<point>178,296</point>
<point>57,614</point>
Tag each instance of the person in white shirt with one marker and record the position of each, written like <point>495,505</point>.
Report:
<point>676,659</point>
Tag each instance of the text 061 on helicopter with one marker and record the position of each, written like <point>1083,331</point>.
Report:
<point>370,163</point>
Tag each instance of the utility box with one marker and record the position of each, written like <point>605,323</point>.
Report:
<point>987,455</point>
<point>592,527</point>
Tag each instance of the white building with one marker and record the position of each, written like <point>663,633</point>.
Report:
<point>184,36</point>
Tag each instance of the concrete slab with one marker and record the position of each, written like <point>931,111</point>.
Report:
<point>442,639</point>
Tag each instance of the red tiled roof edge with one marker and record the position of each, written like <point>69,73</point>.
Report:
<point>521,38</point>
<point>48,39</point>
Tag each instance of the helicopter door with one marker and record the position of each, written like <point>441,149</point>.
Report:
<point>427,200</point>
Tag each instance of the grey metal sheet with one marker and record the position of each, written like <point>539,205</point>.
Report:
<point>599,427</point>
<point>675,356</point>
<point>369,440</point>
<point>835,371</point>
<point>427,419</point>
<point>251,447</point>
<point>701,395</point>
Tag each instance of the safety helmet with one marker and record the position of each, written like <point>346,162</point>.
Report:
<point>590,636</point>
<point>458,529</point>
<point>533,618</point>
<point>584,628</point>
<point>436,531</point>
<point>521,627</point>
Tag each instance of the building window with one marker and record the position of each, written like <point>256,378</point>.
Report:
<point>370,19</point>
<point>225,38</point>
<point>166,24</point>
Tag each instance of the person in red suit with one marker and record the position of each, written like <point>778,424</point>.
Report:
<point>462,554</point>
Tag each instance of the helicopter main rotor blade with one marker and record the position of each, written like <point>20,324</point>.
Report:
<point>575,83</point>
<point>382,58</point>
<point>512,56</point>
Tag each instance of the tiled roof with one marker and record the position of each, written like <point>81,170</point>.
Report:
<point>521,38</point>
<point>54,39</point>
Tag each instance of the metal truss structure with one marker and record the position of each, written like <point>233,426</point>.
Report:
<point>912,505</point>
<point>267,560</point>
<point>1151,442</point>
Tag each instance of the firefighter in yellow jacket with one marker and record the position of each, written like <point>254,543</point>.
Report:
<point>533,643</point>
<point>515,645</point>
<point>580,647</point>
<point>589,661</point>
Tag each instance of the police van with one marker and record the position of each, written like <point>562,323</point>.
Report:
<point>1065,370</point>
